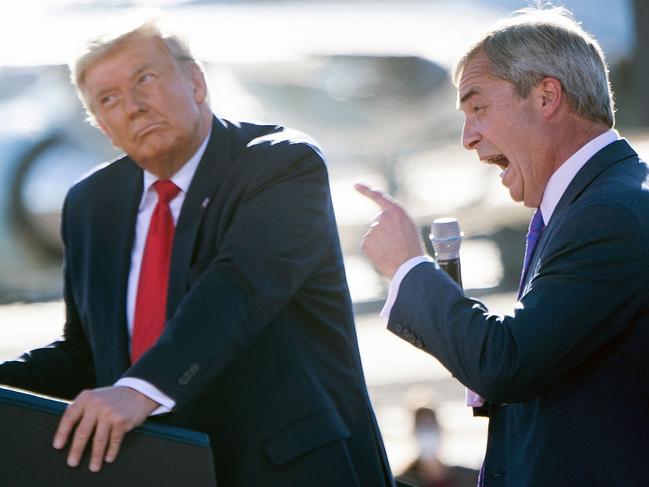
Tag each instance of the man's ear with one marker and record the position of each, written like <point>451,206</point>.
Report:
<point>550,94</point>
<point>106,131</point>
<point>199,84</point>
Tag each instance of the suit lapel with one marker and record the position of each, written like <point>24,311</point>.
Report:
<point>609,155</point>
<point>119,225</point>
<point>205,182</point>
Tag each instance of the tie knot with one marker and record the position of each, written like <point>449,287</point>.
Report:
<point>533,234</point>
<point>166,190</point>
<point>536,225</point>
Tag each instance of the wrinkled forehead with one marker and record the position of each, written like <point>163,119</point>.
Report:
<point>133,46</point>
<point>476,68</point>
<point>475,76</point>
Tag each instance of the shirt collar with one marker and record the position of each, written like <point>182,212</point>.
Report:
<point>185,174</point>
<point>562,177</point>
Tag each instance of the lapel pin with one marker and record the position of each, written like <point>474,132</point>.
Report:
<point>205,202</point>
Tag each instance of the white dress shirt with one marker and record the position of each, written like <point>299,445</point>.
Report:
<point>553,192</point>
<point>563,176</point>
<point>182,179</point>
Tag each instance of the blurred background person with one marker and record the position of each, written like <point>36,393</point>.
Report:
<point>428,470</point>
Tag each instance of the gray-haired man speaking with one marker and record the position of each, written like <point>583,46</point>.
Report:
<point>566,378</point>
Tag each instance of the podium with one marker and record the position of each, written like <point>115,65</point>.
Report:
<point>152,454</point>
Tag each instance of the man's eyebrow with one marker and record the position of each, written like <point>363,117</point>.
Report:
<point>138,70</point>
<point>468,95</point>
<point>99,94</point>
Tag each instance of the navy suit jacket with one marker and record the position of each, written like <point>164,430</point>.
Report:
<point>259,350</point>
<point>568,374</point>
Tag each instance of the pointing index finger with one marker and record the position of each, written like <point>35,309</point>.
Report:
<point>384,200</point>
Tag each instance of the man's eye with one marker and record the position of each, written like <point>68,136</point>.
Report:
<point>146,77</point>
<point>476,109</point>
<point>108,100</point>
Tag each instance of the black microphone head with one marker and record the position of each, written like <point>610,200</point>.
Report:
<point>446,237</point>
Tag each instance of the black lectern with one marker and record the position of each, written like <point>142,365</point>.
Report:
<point>152,454</point>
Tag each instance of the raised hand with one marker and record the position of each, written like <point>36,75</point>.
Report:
<point>392,238</point>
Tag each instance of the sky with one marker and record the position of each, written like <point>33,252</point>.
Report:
<point>51,31</point>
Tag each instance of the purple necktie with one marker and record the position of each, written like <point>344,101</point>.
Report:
<point>533,233</point>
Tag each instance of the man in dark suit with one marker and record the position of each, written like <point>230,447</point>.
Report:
<point>566,378</point>
<point>232,227</point>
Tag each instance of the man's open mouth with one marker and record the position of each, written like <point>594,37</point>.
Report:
<point>499,160</point>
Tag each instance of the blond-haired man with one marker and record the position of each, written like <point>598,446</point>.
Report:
<point>204,282</point>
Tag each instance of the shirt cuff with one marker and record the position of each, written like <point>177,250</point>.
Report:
<point>403,269</point>
<point>473,399</point>
<point>150,391</point>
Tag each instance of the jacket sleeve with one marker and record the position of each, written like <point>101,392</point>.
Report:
<point>587,290</point>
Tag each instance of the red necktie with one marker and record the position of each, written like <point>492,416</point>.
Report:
<point>151,300</point>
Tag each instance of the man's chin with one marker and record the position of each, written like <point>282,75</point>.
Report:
<point>149,161</point>
<point>150,149</point>
<point>531,202</point>
<point>516,196</point>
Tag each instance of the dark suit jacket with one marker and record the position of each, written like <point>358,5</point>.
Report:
<point>568,374</point>
<point>260,349</point>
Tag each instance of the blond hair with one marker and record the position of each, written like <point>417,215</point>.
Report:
<point>98,47</point>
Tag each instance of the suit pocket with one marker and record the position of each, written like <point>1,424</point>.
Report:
<point>305,436</point>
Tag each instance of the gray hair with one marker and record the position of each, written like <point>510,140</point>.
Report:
<point>542,41</point>
<point>99,47</point>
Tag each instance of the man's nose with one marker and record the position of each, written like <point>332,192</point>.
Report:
<point>470,136</point>
<point>134,104</point>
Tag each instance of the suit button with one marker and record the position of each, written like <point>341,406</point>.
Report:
<point>189,374</point>
<point>398,328</point>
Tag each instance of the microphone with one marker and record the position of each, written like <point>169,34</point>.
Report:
<point>446,237</point>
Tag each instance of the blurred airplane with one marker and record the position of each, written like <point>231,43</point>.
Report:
<point>369,80</point>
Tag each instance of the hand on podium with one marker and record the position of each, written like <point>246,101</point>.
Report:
<point>104,416</point>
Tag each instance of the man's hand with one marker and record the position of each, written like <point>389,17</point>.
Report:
<point>104,416</point>
<point>393,237</point>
